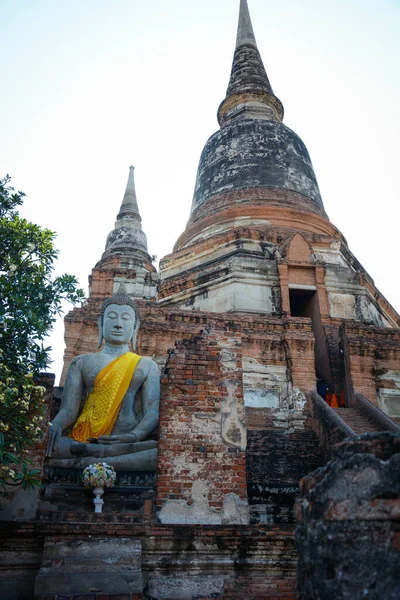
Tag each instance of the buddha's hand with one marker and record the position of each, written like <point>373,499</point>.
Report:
<point>123,438</point>
<point>54,435</point>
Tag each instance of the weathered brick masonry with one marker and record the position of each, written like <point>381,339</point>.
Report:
<point>276,461</point>
<point>201,417</point>
<point>252,562</point>
<point>371,355</point>
<point>348,533</point>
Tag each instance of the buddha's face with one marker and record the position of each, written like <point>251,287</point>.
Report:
<point>118,324</point>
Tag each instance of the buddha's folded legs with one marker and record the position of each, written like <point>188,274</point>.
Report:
<point>145,460</point>
<point>69,448</point>
<point>120,449</point>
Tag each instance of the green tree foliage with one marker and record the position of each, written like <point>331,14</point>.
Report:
<point>30,301</point>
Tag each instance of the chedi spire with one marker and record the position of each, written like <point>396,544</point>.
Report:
<point>127,237</point>
<point>245,34</point>
<point>129,207</point>
<point>253,148</point>
<point>126,259</point>
<point>249,93</point>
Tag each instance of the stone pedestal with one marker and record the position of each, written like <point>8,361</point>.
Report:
<point>63,492</point>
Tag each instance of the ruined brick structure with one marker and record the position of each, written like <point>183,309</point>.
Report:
<point>260,298</point>
<point>349,532</point>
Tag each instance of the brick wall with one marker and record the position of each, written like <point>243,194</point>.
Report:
<point>203,378</point>
<point>248,562</point>
<point>299,343</point>
<point>348,532</point>
<point>368,353</point>
<point>276,461</point>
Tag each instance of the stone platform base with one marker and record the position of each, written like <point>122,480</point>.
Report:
<point>193,562</point>
<point>90,566</point>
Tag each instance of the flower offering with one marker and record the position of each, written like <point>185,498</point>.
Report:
<point>99,475</point>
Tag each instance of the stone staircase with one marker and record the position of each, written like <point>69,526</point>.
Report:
<point>357,421</point>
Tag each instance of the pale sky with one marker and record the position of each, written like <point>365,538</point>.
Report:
<point>89,87</point>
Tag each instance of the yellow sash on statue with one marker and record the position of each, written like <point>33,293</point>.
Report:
<point>102,405</point>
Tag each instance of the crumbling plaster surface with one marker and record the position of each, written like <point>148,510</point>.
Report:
<point>358,307</point>
<point>393,376</point>
<point>233,430</point>
<point>342,280</point>
<point>226,238</point>
<point>179,512</point>
<point>389,402</point>
<point>263,385</point>
<point>126,236</point>
<point>268,387</point>
<point>143,286</point>
<point>349,299</point>
<point>342,306</point>
<point>389,397</point>
<point>367,312</point>
<point>330,256</point>
<point>234,293</point>
<point>233,283</point>
<point>290,414</point>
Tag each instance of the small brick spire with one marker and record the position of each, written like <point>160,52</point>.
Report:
<point>125,267</point>
<point>249,93</point>
<point>127,235</point>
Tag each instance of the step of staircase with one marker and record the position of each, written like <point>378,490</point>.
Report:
<point>356,420</point>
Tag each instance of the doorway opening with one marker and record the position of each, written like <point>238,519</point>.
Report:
<point>304,303</point>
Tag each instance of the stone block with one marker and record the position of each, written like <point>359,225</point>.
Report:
<point>185,587</point>
<point>90,566</point>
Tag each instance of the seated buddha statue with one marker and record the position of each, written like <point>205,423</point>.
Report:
<point>122,406</point>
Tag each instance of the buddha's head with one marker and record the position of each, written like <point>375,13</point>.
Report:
<point>119,319</point>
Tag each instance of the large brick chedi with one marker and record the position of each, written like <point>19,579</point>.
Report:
<point>260,302</point>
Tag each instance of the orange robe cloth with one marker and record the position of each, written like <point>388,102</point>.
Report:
<point>103,403</point>
<point>334,402</point>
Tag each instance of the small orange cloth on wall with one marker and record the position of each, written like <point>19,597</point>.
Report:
<point>102,405</point>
